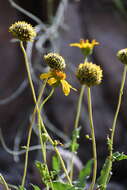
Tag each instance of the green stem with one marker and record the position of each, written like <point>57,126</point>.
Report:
<point>114,124</point>
<point>41,121</point>
<point>43,144</point>
<point>119,103</point>
<point>40,129</point>
<point>76,125</point>
<point>29,136</point>
<point>77,122</point>
<point>93,140</point>
<point>28,72</point>
<point>46,99</point>
<point>79,107</point>
<point>57,152</point>
<point>4,182</point>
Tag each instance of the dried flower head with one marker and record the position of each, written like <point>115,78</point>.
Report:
<point>55,61</point>
<point>85,46</point>
<point>22,31</point>
<point>89,74</point>
<point>56,78</point>
<point>122,55</point>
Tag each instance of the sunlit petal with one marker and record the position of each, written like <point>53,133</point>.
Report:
<point>52,81</point>
<point>94,42</point>
<point>45,75</point>
<point>75,45</point>
<point>72,87</point>
<point>65,87</point>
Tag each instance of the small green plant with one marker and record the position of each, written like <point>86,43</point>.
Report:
<point>88,74</point>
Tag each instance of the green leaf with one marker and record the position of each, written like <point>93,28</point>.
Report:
<point>76,132</point>
<point>63,186</point>
<point>35,187</point>
<point>41,167</point>
<point>45,175</point>
<point>55,163</point>
<point>105,176</point>
<point>84,174</point>
<point>21,188</point>
<point>74,146</point>
<point>117,156</point>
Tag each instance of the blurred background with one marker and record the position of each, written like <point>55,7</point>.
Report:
<point>59,23</point>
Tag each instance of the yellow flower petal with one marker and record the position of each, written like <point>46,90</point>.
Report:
<point>75,45</point>
<point>94,42</point>
<point>65,87</point>
<point>72,88</point>
<point>52,81</point>
<point>85,44</point>
<point>45,75</point>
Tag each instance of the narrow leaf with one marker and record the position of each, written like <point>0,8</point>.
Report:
<point>35,187</point>
<point>84,174</point>
<point>117,156</point>
<point>63,186</point>
<point>55,163</point>
<point>21,188</point>
<point>105,176</point>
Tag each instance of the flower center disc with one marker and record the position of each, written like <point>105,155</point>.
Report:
<point>59,75</point>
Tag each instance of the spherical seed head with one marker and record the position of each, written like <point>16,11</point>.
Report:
<point>22,31</point>
<point>122,55</point>
<point>55,61</point>
<point>89,74</point>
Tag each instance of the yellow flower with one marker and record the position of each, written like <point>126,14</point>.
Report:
<point>22,31</point>
<point>85,46</point>
<point>56,78</point>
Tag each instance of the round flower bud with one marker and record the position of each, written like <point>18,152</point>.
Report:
<point>55,61</point>
<point>89,74</point>
<point>122,55</point>
<point>22,31</point>
<point>45,137</point>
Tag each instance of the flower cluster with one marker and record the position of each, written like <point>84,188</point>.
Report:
<point>22,31</point>
<point>56,76</point>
